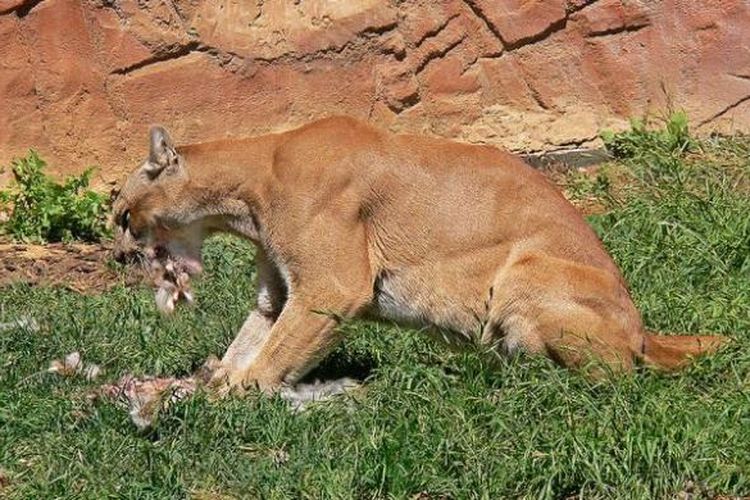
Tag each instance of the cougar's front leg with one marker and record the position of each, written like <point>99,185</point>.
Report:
<point>329,279</point>
<point>303,333</point>
<point>272,291</point>
<point>302,336</point>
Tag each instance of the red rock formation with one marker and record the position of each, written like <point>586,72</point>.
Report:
<point>81,80</point>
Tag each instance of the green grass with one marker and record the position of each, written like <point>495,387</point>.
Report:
<point>430,420</point>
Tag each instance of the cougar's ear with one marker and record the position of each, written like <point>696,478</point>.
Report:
<point>162,153</point>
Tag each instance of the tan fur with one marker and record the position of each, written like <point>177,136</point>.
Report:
<point>350,220</point>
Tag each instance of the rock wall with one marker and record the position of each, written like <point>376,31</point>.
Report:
<point>81,80</point>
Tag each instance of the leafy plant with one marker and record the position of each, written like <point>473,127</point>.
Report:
<point>43,210</point>
<point>664,165</point>
<point>655,154</point>
<point>643,139</point>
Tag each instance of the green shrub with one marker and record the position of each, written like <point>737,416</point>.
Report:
<point>43,210</point>
<point>666,171</point>
<point>643,140</point>
<point>656,155</point>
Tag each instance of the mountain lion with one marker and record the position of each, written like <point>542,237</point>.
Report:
<point>350,220</point>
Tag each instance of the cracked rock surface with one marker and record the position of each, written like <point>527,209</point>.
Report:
<point>81,80</point>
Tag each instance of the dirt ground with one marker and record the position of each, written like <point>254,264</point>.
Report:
<point>84,268</point>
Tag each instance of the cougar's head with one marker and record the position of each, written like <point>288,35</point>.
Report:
<point>156,221</point>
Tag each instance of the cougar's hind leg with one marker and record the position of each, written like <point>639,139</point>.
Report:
<point>580,316</point>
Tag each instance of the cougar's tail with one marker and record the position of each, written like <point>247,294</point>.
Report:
<point>672,352</point>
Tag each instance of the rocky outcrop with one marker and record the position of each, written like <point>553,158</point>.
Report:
<point>81,80</point>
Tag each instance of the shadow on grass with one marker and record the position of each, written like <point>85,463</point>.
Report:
<point>339,365</point>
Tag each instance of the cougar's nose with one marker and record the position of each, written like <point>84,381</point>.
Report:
<point>120,255</point>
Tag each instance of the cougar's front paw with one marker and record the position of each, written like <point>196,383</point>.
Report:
<point>207,370</point>
<point>215,377</point>
<point>222,379</point>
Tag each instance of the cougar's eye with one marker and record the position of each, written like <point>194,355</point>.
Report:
<point>125,220</point>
